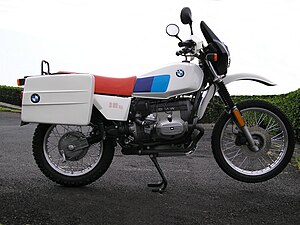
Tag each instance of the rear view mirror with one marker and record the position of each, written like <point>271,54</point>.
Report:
<point>172,30</point>
<point>186,16</point>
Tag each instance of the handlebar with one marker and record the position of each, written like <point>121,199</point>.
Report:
<point>188,47</point>
<point>184,51</point>
<point>178,53</point>
<point>188,43</point>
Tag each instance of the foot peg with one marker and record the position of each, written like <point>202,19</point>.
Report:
<point>159,187</point>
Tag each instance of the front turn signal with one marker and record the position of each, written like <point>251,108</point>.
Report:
<point>212,57</point>
<point>238,117</point>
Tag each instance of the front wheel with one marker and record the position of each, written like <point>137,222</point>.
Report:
<point>64,155</point>
<point>271,132</point>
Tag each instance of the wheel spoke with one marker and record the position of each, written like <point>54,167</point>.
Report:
<point>72,166</point>
<point>243,162</point>
<point>261,119</point>
<point>237,153</point>
<point>278,137</point>
<point>52,148</point>
<point>232,145</point>
<point>272,126</point>
<point>269,133</point>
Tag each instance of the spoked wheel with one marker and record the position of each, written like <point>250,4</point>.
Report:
<point>272,133</point>
<point>64,154</point>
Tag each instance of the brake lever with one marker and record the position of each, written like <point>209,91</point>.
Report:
<point>178,53</point>
<point>184,51</point>
<point>187,43</point>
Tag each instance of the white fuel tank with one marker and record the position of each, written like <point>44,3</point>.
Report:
<point>169,81</point>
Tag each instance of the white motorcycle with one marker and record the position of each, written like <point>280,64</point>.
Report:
<point>82,117</point>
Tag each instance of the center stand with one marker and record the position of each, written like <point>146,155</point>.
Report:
<point>158,187</point>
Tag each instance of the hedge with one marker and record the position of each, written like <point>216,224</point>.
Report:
<point>289,103</point>
<point>11,95</point>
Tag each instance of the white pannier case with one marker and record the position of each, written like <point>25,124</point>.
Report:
<point>58,99</point>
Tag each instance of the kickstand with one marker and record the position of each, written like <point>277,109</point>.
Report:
<point>159,187</point>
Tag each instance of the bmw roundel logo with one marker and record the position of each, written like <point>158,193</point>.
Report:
<point>35,98</point>
<point>180,73</point>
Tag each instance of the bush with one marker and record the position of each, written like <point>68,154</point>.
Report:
<point>11,95</point>
<point>289,104</point>
<point>214,109</point>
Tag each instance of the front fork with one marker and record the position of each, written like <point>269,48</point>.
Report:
<point>236,115</point>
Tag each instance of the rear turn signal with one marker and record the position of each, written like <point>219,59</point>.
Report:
<point>21,82</point>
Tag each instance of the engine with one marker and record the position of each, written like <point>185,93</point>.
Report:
<point>159,119</point>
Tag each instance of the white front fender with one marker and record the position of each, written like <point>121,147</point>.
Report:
<point>247,76</point>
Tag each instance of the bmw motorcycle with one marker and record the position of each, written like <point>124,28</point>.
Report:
<point>82,117</point>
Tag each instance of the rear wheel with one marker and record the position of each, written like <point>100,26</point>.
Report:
<point>64,155</point>
<point>272,133</point>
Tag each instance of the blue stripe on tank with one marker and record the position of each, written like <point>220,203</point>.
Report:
<point>143,84</point>
<point>158,83</point>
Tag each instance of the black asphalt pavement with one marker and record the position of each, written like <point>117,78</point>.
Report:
<point>198,191</point>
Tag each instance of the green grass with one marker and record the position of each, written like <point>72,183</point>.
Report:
<point>296,162</point>
<point>3,108</point>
